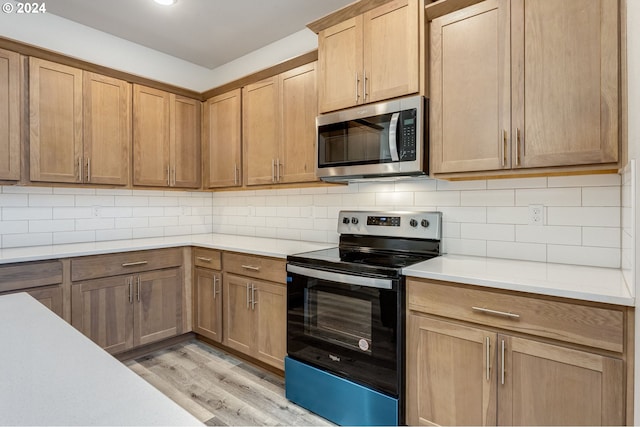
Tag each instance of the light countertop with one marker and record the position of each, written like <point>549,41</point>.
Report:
<point>277,248</point>
<point>53,375</point>
<point>571,281</point>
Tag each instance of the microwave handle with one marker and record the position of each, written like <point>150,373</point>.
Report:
<point>393,140</point>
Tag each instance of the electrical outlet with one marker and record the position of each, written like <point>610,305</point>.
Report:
<point>536,214</point>
<point>96,211</point>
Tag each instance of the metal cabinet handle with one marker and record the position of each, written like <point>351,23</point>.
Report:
<point>357,91</point>
<point>215,287</point>
<point>273,170</point>
<point>248,301</point>
<point>168,176</point>
<point>488,355</point>
<point>364,86</point>
<point>201,258</point>
<point>251,267</point>
<point>278,164</point>
<point>517,146</point>
<point>496,312</point>
<point>235,173</point>
<point>139,280</point>
<point>502,373</point>
<point>88,169</point>
<point>79,169</point>
<point>253,297</point>
<point>504,147</point>
<point>130,280</point>
<point>131,264</point>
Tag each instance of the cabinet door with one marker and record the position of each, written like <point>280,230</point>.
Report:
<point>270,311</point>
<point>550,385</point>
<point>102,309</point>
<point>151,137</point>
<point>10,122</point>
<point>207,304</point>
<point>55,122</point>
<point>107,129</point>
<point>299,100</point>
<point>261,131</point>
<point>340,65</point>
<point>238,317</point>
<point>51,297</point>
<point>158,306</point>
<point>223,140</point>
<point>470,111</point>
<point>185,142</point>
<point>450,374</point>
<point>391,50</point>
<point>565,93</point>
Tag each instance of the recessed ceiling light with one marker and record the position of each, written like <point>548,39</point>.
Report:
<point>166,2</point>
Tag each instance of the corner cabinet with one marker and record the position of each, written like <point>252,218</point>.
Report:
<point>255,307</point>
<point>278,122</point>
<point>477,357</point>
<point>10,115</point>
<point>222,140</point>
<point>370,57</point>
<point>121,301</point>
<point>166,139</point>
<point>80,125</point>
<point>543,91</point>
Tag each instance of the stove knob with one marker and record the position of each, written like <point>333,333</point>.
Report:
<point>424,223</point>
<point>345,220</point>
<point>354,220</point>
<point>413,223</point>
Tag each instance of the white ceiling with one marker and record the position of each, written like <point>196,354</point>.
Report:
<point>208,33</point>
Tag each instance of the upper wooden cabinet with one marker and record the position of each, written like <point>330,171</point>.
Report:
<point>543,91</point>
<point>10,122</point>
<point>278,121</point>
<point>370,57</point>
<point>222,140</point>
<point>166,139</point>
<point>80,126</point>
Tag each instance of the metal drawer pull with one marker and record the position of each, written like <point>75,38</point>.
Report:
<point>131,264</point>
<point>248,301</point>
<point>201,258</point>
<point>130,280</point>
<point>502,380</point>
<point>251,267</point>
<point>215,283</point>
<point>488,345</point>
<point>497,313</point>
<point>253,297</point>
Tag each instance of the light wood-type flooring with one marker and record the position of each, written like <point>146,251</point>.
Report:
<point>220,389</point>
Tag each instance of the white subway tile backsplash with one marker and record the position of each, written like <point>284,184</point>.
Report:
<point>30,239</point>
<point>584,255</point>
<point>163,221</point>
<point>507,215</point>
<point>143,233</point>
<point>497,184</point>
<point>13,227</point>
<point>464,214</point>
<point>162,201</point>
<point>584,180</point>
<point>137,222</point>
<point>417,185</point>
<point>287,233</point>
<point>487,198</point>
<point>376,187</point>
<point>14,200</point>
<point>487,231</point>
<point>562,235</point>
<point>465,247</point>
<point>48,226</point>
<point>95,224</point>
<point>102,235</point>
<point>517,250</point>
<point>26,190</point>
<point>437,198</point>
<point>177,230</point>
<point>606,237</point>
<point>16,214</point>
<point>584,216</point>
<point>461,185</point>
<point>549,197</point>
<point>74,213</point>
<point>394,199</point>
<point>131,201</point>
<point>95,201</point>
<point>62,238</point>
<point>601,196</point>
<point>115,212</point>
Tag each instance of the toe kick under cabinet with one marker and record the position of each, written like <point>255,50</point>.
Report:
<point>492,357</point>
<point>126,300</point>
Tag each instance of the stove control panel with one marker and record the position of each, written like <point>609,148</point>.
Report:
<point>419,225</point>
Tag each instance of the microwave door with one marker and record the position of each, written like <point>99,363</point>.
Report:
<point>393,137</point>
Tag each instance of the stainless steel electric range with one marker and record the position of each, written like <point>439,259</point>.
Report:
<point>346,316</point>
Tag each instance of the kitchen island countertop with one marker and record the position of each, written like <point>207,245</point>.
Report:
<point>586,283</point>
<point>53,375</point>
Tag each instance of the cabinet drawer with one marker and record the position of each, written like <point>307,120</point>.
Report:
<point>272,269</point>
<point>91,267</point>
<point>14,277</point>
<point>575,323</point>
<point>207,258</point>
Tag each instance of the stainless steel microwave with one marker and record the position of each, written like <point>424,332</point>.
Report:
<point>386,139</point>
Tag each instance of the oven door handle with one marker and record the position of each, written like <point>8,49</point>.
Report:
<point>369,282</point>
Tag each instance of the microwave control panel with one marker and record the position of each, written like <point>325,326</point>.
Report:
<point>408,135</point>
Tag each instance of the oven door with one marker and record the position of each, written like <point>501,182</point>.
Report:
<point>348,325</point>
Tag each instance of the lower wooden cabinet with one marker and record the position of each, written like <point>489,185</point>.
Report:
<point>255,318</point>
<point>207,303</point>
<point>462,373</point>
<point>42,280</point>
<point>122,312</point>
